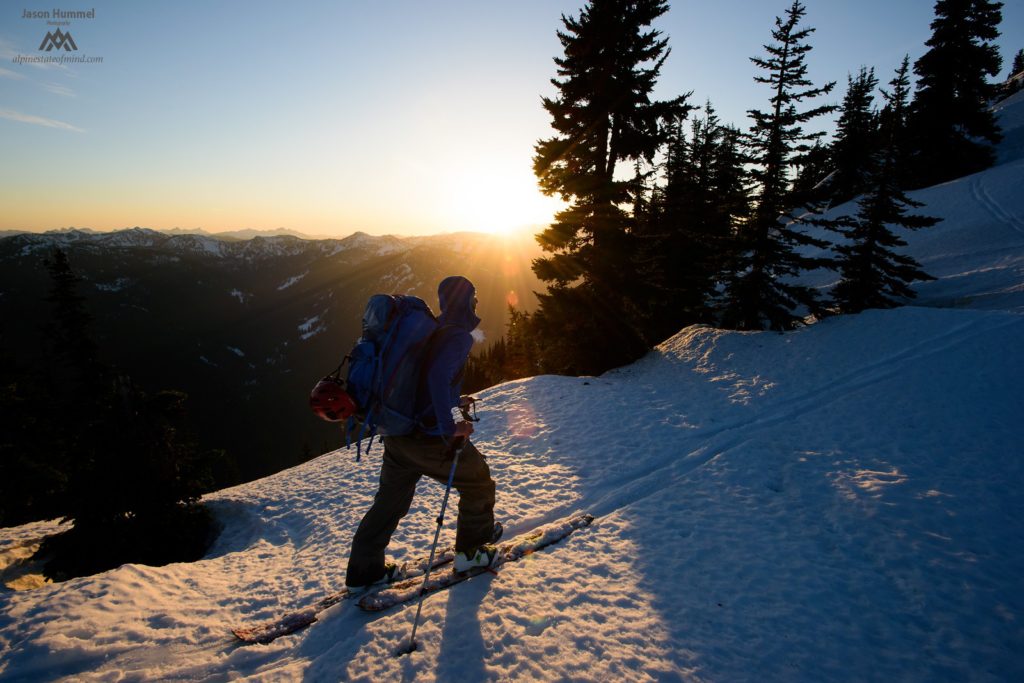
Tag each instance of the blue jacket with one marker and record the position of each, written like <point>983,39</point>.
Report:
<point>443,386</point>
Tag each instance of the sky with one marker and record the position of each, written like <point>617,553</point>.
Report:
<point>324,117</point>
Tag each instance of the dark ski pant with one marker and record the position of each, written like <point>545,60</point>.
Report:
<point>406,459</point>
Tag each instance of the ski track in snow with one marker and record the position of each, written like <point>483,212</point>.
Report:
<point>992,207</point>
<point>665,472</point>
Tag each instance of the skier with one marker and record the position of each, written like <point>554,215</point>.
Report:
<point>429,451</point>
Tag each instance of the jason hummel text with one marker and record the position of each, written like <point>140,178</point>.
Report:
<point>58,14</point>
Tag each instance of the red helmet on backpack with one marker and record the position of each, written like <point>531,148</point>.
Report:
<point>330,401</point>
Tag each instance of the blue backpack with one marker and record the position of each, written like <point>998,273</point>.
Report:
<point>384,366</point>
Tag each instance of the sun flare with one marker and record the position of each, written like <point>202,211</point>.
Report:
<point>500,203</point>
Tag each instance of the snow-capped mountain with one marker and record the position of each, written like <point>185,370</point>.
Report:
<point>839,503</point>
<point>248,244</point>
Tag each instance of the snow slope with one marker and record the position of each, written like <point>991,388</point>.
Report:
<point>840,503</point>
<point>977,250</point>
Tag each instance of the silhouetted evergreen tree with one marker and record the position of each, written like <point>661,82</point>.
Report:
<point>873,274</point>
<point>1018,63</point>
<point>66,394</point>
<point>687,239</point>
<point>130,475</point>
<point>523,355</point>
<point>136,499</point>
<point>761,293</point>
<point>733,180</point>
<point>954,129</point>
<point>603,117</point>
<point>73,361</point>
<point>856,139</point>
<point>52,409</point>
<point>893,122</point>
<point>811,188</point>
<point>511,357</point>
<point>71,321</point>
<point>478,373</point>
<point>1015,81</point>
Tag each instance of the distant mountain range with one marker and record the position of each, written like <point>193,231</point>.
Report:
<point>246,326</point>
<point>245,234</point>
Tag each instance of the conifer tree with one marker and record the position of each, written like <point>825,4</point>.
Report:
<point>73,420</point>
<point>603,117</point>
<point>893,121</point>
<point>873,274</point>
<point>733,181</point>
<point>136,498</point>
<point>50,412</point>
<point>811,188</point>
<point>511,357</point>
<point>74,352</point>
<point>760,293</point>
<point>698,208</point>
<point>1015,80</point>
<point>954,128</point>
<point>522,353</point>
<point>856,141</point>
<point>133,473</point>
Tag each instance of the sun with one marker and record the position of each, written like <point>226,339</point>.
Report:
<point>499,202</point>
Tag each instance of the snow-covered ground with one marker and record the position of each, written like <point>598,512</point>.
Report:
<point>843,502</point>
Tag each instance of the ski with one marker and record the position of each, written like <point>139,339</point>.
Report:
<point>293,621</point>
<point>519,547</point>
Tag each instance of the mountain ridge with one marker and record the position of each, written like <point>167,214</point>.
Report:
<point>260,320</point>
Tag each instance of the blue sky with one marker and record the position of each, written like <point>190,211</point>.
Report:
<point>329,117</point>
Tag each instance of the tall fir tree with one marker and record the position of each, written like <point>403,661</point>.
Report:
<point>604,118</point>
<point>686,244</point>
<point>73,352</point>
<point>954,128</point>
<point>893,125</point>
<point>873,273</point>
<point>77,411</point>
<point>761,292</point>
<point>856,139</point>
<point>131,474</point>
<point>733,180</point>
<point>52,411</point>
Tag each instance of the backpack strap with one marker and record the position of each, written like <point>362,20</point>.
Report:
<point>428,420</point>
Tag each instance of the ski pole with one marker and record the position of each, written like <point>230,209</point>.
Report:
<point>457,447</point>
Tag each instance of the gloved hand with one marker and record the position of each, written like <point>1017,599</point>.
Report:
<point>463,429</point>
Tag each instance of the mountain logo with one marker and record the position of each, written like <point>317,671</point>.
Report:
<point>58,39</point>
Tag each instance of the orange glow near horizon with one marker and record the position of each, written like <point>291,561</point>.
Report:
<point>499,201</point>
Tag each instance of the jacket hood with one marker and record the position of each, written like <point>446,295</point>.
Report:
<point>457,297</point>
